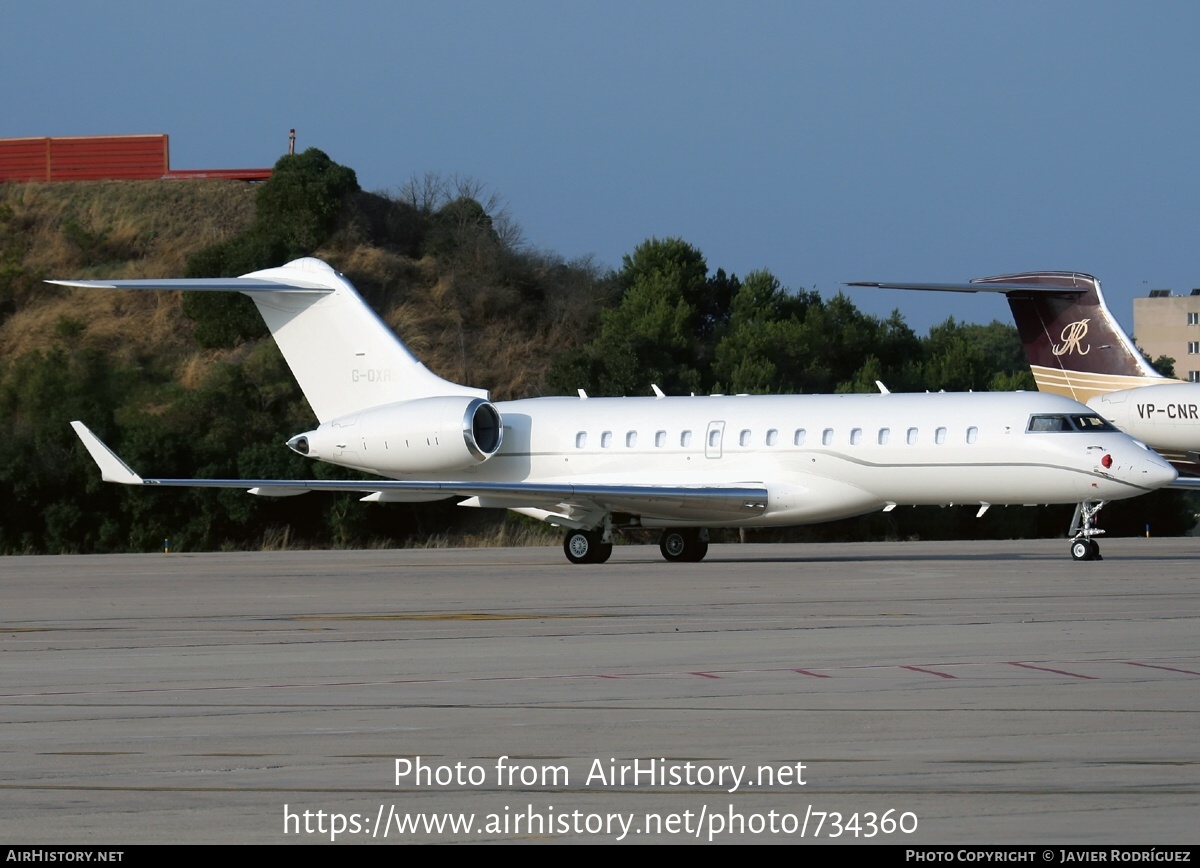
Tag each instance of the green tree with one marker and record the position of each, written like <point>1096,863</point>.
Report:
<point>966,356</point>
<point>296,211</point>
<point>663,331</point>
<point>54,501</point>
<point>779,341</point>
<point>763,343</point>
<point>1165,365</point>
<point>301,202</point>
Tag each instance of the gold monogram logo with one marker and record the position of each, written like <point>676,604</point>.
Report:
<point>1071,336</point>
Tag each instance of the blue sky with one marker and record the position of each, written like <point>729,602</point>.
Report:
<point>824,142</point>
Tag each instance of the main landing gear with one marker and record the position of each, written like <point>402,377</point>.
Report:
<point>1083,528</point>
<point>586,547</point>
<point>678,544</point>
<point>684,545</point>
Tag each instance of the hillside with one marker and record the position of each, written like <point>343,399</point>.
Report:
<point>140,368</point>
<point>117,229</point>
<point>463,315</point>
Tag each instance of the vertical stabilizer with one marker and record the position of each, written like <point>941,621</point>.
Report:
<point>343,355</point>
<point>1074,345</point>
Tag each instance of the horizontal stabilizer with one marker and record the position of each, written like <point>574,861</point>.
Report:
<point>1006,288</point>
<point>203,284</point>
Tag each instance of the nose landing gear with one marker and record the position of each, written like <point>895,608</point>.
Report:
<point>1083,528</point>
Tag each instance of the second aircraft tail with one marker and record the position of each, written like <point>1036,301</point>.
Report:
<point>1074,345</point>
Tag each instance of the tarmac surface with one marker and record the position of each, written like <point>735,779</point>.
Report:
<point>898,693</point>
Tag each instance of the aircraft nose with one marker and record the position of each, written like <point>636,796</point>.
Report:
<point>1158,471</point>
<point>1138,465</point>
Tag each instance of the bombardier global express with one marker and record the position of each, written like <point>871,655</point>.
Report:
<point>680,465</point>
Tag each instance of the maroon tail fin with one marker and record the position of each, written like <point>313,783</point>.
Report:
<point>1073,343</point>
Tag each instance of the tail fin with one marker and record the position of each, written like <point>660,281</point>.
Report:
<point>1074,345</point>
<point>343,356</point>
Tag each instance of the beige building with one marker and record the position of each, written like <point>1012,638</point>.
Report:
<point>1169,325</point>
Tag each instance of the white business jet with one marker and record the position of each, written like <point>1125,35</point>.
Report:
<point>679,464</point>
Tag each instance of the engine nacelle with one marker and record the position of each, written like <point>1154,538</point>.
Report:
<point>426,435</point>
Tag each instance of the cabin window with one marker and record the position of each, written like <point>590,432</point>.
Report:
<point>885,434</point>
<point>855,436</point>
<point>911,437</point>
<point>631,439</point>
<point>744,438</point>
<point>827,437</point>
<point>685,439</point>
<point>798,437</point>
<point>939,436</point>
<point>972,434</point>
<point>772,437</point>
<point>660,439</point>
<point>581,440</point>
<point>606,440</point>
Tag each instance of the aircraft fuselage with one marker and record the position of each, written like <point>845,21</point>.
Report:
<point>1167,416</point>
<point>820,457</point>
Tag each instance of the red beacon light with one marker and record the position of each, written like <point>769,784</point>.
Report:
<point>1106,461</point>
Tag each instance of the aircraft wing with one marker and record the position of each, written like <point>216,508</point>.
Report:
<point>1187,483</point>
<point>681,501</point>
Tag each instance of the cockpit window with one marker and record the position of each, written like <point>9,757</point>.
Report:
<point>1072,422</point>
<point>1048,423</point>
<point>1091,423</point>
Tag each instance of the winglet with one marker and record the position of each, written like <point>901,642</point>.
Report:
<point>112,468</point>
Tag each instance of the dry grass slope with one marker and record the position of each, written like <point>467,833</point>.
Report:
<point>109,229</point>
<point>459,317</point>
